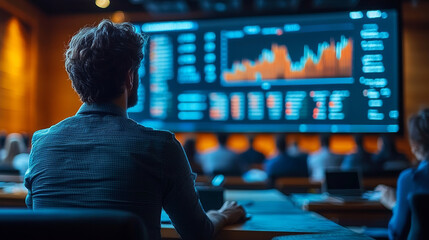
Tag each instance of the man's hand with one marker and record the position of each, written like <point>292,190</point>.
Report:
<point>388,196</point>
<point>229,213</point>
<point>233,212</point>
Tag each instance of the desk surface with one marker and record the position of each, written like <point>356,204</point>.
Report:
<point>337,235</point>
<point>305,185</point>
<point>273,214</point>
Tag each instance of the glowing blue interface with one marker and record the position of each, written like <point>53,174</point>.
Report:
<point>324,72</point>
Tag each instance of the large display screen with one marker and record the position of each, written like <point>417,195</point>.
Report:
<point>320,72</point>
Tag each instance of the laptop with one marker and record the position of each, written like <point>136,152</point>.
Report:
<point>343,185</point>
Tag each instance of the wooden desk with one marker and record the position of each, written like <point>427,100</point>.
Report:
<point>273,214</point>
<point>371,183</point>
<point>290,185</point>
<point>238,182</point>
<point>14,200</point>
<point>5,178</point>
<point>296,185</point>
<point>363,213</point>
<point>15,194</point>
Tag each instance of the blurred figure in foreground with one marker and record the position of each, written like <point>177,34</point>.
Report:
<point>319,161</point>
<point>388,158</point>
<point>411,181</point>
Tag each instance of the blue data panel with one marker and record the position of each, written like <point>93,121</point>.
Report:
<point>321,72</point>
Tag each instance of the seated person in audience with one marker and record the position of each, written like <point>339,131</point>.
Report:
<point>99,158</point>
<point>14,146</point>
<point>220,160</point>
<point>193,156</point>
<point>3,135</point>
<point>294,150</point>
<point>360,159</point>
<point>27,141</point>
<point>285,165</point>
<point>20,162</point>
<point>388,158</point>
<point>251,156</point>
<point>319,161</point>
<point>410,181</point>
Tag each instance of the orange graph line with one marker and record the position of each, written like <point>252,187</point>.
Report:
<point>276,64</point>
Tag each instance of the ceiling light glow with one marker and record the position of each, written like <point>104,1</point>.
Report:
<point>118,17</point>
<point>102,3</point>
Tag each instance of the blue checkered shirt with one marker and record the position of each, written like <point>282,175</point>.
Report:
<point>100,158</point>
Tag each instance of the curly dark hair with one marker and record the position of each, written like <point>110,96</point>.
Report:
<point>99,58</point>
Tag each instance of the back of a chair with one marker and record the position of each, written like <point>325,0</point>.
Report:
<point>419,217</point>
<point>68,224</point>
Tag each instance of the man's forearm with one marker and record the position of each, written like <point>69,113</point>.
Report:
<point>218,220</point>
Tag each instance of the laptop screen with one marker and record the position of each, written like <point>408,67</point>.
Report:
<point>342,182</point>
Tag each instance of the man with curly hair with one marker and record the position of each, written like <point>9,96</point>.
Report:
<point>100,158</point>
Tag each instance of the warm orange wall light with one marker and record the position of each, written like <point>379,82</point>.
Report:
<point>14,78</point>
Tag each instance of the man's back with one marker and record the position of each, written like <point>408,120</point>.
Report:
<point>101,159</point>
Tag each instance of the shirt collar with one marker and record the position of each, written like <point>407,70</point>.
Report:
<point>106,108</point>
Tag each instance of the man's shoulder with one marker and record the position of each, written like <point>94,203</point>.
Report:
<point>406,176</point>
<point>42,133</point>
<point>39,135</point>
<point>140,130</point>
<point>130,129</point>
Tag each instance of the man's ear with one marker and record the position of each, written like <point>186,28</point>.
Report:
<point>129,82</point>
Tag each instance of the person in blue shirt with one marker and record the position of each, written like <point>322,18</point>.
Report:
<point>322,159</point>
<point>411,181</point>
<point>388,158</point>
<point>251,157</point>
<point>221,159</point>
<point>360,159</point>
<point>100,158</point>
<point>285,164</point>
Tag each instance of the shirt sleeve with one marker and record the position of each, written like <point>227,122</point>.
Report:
<point>399,224</point>
<point>269,167</point>
<point>29,173</point>
<point>27,184</point>
<point>180,200</point>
